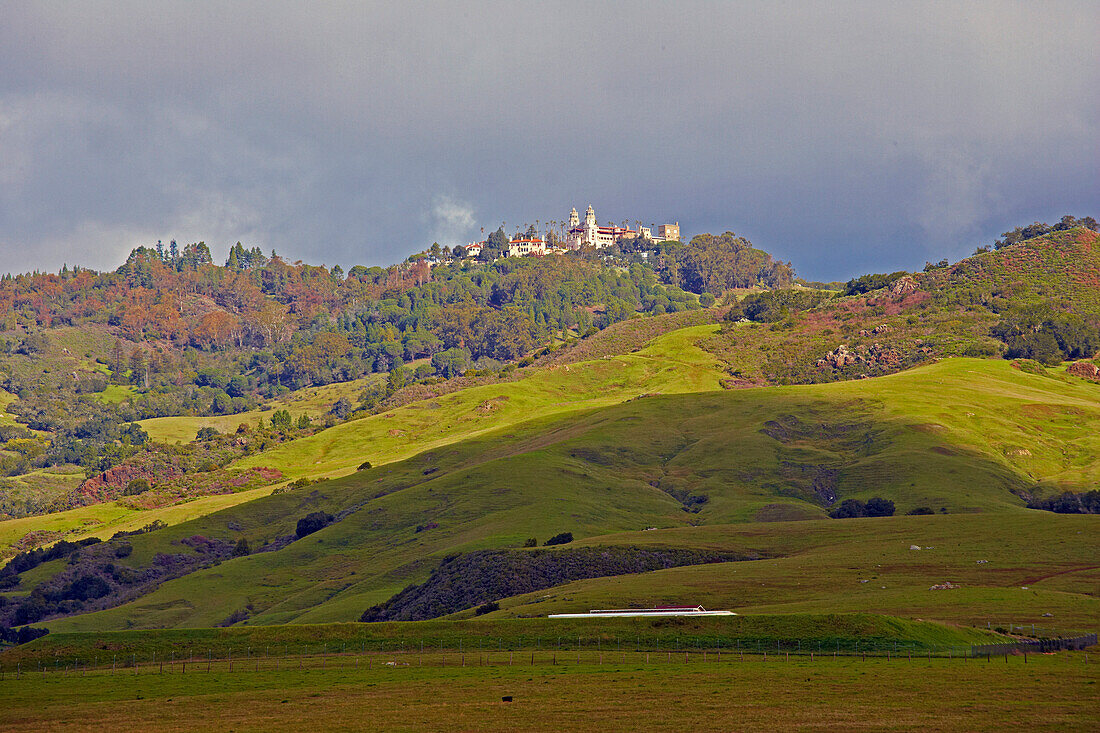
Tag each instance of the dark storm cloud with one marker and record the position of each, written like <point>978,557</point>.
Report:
<point>842,136</point>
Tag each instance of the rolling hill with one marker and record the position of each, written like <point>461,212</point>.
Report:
<point>645,435</point>
<point>950,436</point>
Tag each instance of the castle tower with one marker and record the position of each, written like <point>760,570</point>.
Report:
<point>574,218</point>
<point>590,226</point>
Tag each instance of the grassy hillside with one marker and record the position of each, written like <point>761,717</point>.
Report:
<point>945,312</point>
<point>311,401</point>
<point>672,364</point>
<point>959,435</point>
<point>1009,568</point>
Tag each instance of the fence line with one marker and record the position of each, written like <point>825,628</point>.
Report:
<point>332,656</point>
<point>1034,646</point>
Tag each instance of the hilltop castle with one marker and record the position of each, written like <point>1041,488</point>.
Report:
<point>594,235</point>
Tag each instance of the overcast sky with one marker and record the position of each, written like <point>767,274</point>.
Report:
<point>844,137</point>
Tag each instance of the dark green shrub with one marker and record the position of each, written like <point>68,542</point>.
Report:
<point>135,487</point>
<point>312,522</point>
<point>878,507</point>
<point>848,509</point>
<point>206,434</point>
<point>559,539</point>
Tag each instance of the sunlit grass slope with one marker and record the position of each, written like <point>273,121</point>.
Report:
<point>672,364</point>
<point>1009,568</point>
<point>104,520</point>
<point>948,436</point>
<point>311,401</point>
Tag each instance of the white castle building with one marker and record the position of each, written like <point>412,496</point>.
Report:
<point>593,235</point>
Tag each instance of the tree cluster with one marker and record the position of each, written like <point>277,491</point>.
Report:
<point>1047,335</point>
<point>1037,229</point>
<point>1069,502</point>
<point>854,508</point>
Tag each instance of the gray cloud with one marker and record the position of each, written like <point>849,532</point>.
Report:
<point>842,136</point>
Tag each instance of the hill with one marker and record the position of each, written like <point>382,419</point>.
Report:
<point>628,429</point>
<point>960,436</point>
<point>91,361</point>
<point>1049,284</point>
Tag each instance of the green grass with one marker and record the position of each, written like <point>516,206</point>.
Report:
<point>671,365</point>
<point>104,520</point>
<point>1046,693</point>
<point>311,401</point>
<point>940,436</point>
<point>1036,564</point>
<point>847,632</point>
<point>116,393</point>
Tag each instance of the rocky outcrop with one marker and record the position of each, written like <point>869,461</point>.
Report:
<point>1085,370</point>
<point>904,285</point>
<point>875,356</point>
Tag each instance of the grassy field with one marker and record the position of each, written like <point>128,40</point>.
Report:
<point>311,401</point>
<point>1032,564</point>
<point>1056,692</point>
<point>944,436</point>
<point>672,364</point>
<point>104,520</point>
<point>843,632</point>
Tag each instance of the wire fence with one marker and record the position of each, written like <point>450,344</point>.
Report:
<point>499,651</point>
<point>1034,646</point>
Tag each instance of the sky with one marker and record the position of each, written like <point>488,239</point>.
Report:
<point>844,137</point>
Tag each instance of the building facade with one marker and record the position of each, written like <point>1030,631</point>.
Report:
<point>591,234</point>
<point>523,247</point>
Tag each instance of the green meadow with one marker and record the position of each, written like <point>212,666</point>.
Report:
<point>948,436</point>
<point>672,364</point>
<point>313,402</point>
<point>1056,692</point>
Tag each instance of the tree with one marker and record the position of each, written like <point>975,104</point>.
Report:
<point>215,330</point>
<point>495,246</point>
<point>341,408</point>
<point>312,522</point>
<point>848,509</point>
<point>561,538</point>
<point>397,378</point>
<point>206,433</point>
<point>242,548</point>
<point>878,507</point>
<point>281,421</point>
<point>135,487</point>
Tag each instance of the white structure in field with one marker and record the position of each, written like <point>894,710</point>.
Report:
<point>658,612</point>
<point>592,234</point>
